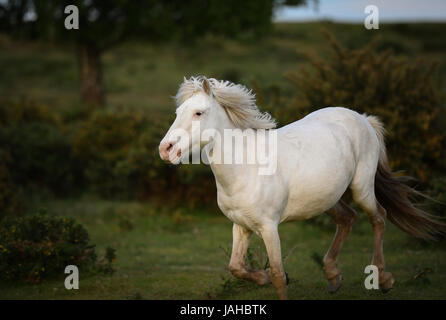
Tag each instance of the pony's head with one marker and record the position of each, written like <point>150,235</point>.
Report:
<point>209,105</point>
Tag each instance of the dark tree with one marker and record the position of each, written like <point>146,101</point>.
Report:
<point>103,24</point>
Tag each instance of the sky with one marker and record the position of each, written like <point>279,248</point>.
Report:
<point>353,11</point>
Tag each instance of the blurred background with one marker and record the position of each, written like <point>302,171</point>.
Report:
<point>82,113</point>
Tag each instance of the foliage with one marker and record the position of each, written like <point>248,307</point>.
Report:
<point>34,148</point>
<point>105,265</point>
<point>125,224</point>
<point>25,111</point>
<point>10,199</point>
<point>437,191</point>
<point>119,153</point>
<point>112,153</point>
<point>141,170</point>
<point>402,93</point>
<point>421,279</point>
<point>106,23</point>
<point>103,24</point>
<point>101,142</point>
<point>38,246</point>
<point>179,218</point>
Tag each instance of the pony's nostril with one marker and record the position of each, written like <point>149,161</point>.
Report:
<point>169,147</point>
<point>179,153</point>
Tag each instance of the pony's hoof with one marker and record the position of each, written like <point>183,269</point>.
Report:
<point>335,283</point>
<point>387,282</point>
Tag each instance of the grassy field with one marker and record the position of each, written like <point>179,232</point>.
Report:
<point>166,254</point>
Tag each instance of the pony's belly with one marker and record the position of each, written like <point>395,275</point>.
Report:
<point>306,204</point>
<point>291,213</point>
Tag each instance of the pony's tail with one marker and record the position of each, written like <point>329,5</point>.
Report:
<point>394,195</point>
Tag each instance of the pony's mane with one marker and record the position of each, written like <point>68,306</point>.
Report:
<point>238,101</point>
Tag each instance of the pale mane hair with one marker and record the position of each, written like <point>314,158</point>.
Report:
<point>238,101</point>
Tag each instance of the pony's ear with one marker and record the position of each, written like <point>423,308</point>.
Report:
<point>207,87</point>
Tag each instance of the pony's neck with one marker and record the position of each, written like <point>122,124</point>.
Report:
<point>225,173</point>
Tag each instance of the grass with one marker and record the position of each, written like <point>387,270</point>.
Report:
<point>171,254</point>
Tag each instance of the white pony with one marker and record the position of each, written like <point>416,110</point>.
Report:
<point>319,158</point>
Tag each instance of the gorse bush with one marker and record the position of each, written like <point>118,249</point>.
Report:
<point>101,142</point>
<point>141,170</point>
<point>39,246</point>
<point>119,153</point>
<point>40,154</point>
<point>112,153</point>
<point>402,93</point>
<point>10,200</point>
<point>25,111</point>
<point>438,192</point>
<point>35,149</point>
<point>105,264</point>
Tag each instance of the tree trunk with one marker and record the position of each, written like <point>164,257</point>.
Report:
<point>90,74</point>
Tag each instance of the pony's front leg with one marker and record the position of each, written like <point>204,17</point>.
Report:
<point>240,242</point>
<point>270,235</point>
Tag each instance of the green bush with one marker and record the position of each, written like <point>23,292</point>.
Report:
<point>10,200</point>
<point>35,147</point>
<point>25,111</point>
<point>140,171</point>
<point>113,153</point>
<point>119,154</point>
<point>105,264</point>
<point>102,143</point>
<point>437,191</point>
<point>39,246</point>
<point>402,93</point>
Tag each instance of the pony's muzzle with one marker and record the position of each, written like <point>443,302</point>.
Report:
<point>165,149</point>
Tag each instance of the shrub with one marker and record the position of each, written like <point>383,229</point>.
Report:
<point>438,192</point>
<point>35,148</point>
<point>119,154</point>
<point>38,246</point>
<point>140,171</point>
<point>10,200</point>
<point>113,153</point>
<point>101,143</point>
<point>401,92</point>
<point>25,111</point>
<point>105,264</point>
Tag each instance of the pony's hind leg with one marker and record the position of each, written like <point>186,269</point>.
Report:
<point>344,217</point>
<point>365,198</point>
<point>237,266</point>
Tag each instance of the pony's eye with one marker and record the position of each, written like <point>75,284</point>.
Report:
<point>198,113</point>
